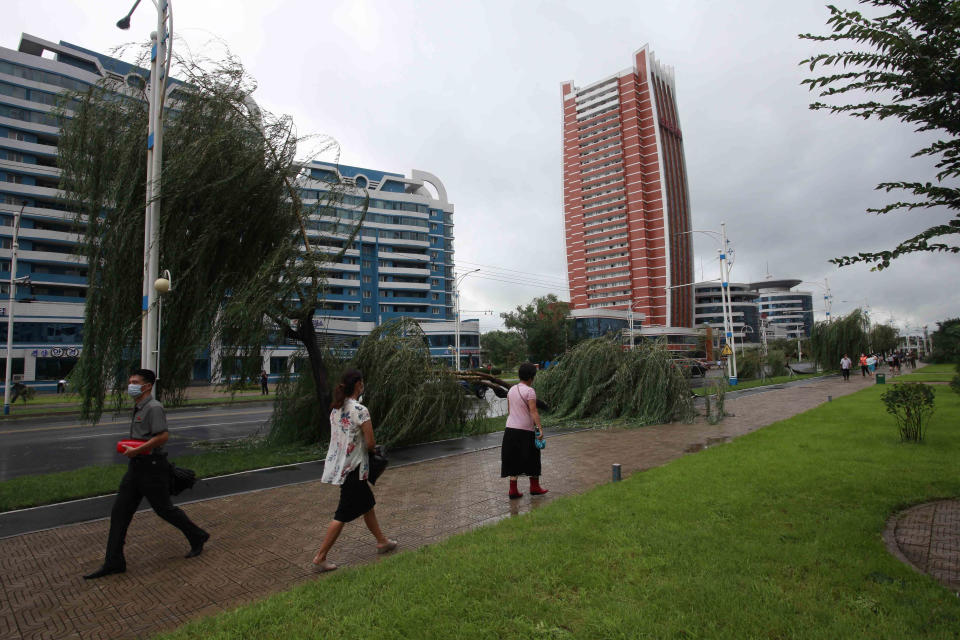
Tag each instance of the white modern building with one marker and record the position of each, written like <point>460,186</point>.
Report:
<point>788,313</point>
<point>743,311</point>
<point>401,263</point>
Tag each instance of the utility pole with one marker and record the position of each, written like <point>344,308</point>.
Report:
<point>11,300</point>
<point>727,306</point>
<point>160,56</point>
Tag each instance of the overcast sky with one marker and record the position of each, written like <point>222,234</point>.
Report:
<point>470,91</point>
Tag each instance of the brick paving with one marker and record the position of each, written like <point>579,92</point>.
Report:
<point>263,541</point>
<point>927,537</point>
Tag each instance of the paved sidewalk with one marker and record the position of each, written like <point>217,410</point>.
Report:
<point>927,537</point>
<point>263,541</point>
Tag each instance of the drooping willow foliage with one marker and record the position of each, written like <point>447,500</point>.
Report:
<point>410,397</point>
<point>597,379</point>
<point>233,229</point>
<point>848,334</point>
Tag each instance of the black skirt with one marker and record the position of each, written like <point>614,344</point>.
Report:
<point>356,498</point>
<point>519,456</point>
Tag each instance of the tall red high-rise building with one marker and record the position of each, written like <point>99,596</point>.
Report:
<point>625,198</point>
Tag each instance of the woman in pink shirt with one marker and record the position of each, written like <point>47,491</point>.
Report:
<point>519,455</point>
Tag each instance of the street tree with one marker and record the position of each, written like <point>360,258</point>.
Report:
<point>233,230</point>
<point>946,342</point>
<point>543,326</point>
<point>505,348</point>
<point>884,338</point>
<point>904,65</point>
<point>848,334</point>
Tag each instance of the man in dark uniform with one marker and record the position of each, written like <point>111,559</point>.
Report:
<point>147,476</point>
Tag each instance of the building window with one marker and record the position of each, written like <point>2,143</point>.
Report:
<point>366,309</point>
<point>278,364</point>
<point>367,279</point>
<point>366,294</point>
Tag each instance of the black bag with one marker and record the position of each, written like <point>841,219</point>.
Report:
<point>378,462</point>
<point>181,479</point>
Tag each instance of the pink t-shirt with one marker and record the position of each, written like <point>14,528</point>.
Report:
<point>517,399</point>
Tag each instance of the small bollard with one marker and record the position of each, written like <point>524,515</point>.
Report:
<point>829,398</point>
<point>616,473</point>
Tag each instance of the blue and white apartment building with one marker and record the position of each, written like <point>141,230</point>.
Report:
<point>400,264</point>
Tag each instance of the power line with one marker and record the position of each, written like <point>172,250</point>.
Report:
<point>552,287</point>
<point>521,277</point>
<point>494,268</point>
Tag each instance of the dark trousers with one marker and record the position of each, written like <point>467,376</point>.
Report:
<point>846,374</point>
<point>147,477</point>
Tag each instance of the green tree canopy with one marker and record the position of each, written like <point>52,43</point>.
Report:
<point>505,348</point>
<point>543,326</point>
<point>845,335</point>
<point>906,65</point>
<point>884,338</point>
<point>946,342</point>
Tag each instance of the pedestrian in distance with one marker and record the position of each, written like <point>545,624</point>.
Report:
<point>872,364</point>
<point>263,383</point>
<point>845,367</point>
<point>61,386</point>
<point>148,476</point>
<point>519,454</point>
<point>348,466</point>
<point>864,368</point>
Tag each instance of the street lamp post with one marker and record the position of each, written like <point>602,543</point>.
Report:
<point>14,246</point>
<point>725,304</point>
<point>827,295</point>
<point>159,72</point>
<point>456,299</point>
<point>162,286</point>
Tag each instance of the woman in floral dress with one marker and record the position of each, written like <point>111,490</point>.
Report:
<point>347,465</point>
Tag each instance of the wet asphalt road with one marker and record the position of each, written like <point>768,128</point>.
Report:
<point>45,445</point>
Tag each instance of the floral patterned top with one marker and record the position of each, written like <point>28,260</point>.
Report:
<point>348,449</point>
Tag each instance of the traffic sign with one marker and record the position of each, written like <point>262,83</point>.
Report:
<point>726,351</point>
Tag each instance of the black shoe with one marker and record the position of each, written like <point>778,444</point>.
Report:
<point>197,547</point>
<point>104,571</point>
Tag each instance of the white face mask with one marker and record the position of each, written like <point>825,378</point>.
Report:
<point>134,390</point>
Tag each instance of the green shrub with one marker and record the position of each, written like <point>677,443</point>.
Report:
<point>748,364</point>
<point>776,363</point>
<point>911,405</point>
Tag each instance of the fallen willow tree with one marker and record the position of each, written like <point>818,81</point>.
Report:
<point>410,397</point>
<point>597,379</point>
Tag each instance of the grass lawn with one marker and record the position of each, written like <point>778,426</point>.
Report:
<point>930,373</point>
<point>70,403</point>
<point>750,384</point>
<point>211,460</point>
<point>775,535</point>
<point>31,491</point>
